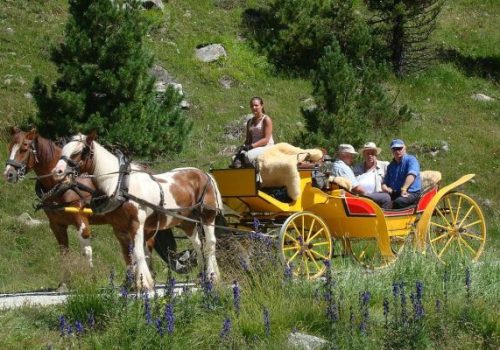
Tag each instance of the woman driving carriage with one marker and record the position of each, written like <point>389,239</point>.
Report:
<point>259,131</point>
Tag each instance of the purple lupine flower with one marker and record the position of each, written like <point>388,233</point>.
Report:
<point>159,327</point>
<point>169,317</point>
<point>418,304</point>
<point>147,309</point>
<point>62,325</point>
<point>332,312</point>
<point>256,225</point>
<point>267,323</point>
<point>404,312</point>
<point>91,319</point>
<point>69,329</point>
<point>351,319</point>
<point>364,300</point>
<point>395,289</point>
<point>386,309</point>
<point>288,272</point>
<point>124,292</point>
<point>78,328</point>
<point>207,283</point>
<point>236,297</point>
<point>226,328</point>
<point>169,287</point>
<point>446,280</point>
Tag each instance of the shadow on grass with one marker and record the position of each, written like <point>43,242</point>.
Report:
<point>487,67</point>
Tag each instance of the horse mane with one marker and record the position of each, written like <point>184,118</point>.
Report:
<point>47,149</point>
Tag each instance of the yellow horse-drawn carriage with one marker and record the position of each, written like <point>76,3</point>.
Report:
<point>313,226</point>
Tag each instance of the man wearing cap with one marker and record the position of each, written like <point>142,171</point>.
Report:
<point>370,174</point>
<point>402,180</point>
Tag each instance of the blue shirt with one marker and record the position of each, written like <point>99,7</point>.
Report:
<point>342,169</point>
<point>397,173</point>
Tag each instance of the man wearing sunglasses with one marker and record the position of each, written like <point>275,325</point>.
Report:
<point>402,180</point>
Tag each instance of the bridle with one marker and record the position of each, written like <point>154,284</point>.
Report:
<point>21,167</point>
<point>86,155</point>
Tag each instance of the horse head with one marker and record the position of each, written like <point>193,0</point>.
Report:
<point>76,156</point>
<point>22,154</point>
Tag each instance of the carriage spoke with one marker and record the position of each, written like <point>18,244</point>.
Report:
<point>438,210</point>
<point>304,261</point>
<point>465,216</point>
<point>459,206</point>
<point>314,261</point>
<point>296,228</point>
<point>293,256</point>
<point>290,248</point>
<point>318,254</point>
<point>472,236</point>
<point>292,238</point>
<point>460,247</point>
<point>450,208</point>
<point>317,233</point>
<point>439,237</point>
<point>321,243</point>
<point>310,229</point>
<point>438,225</point>
<point>445,246</point>
<point>471,224</point>
<point>467,245</point>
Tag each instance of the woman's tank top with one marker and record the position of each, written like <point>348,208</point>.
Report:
<point>257,131</point>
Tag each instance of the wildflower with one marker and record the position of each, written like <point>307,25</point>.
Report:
<point>62,325</point>
<point>256,225</point>
<point>147,309</point>
<point>332,312</point>
<point>418,304</point>
<point>446,280</point>
<point>169,317</point>
<point>364,299</point>
<point>226,328</point>
<point>91,319</point>
<point>236,297</point>
<point>78,328</point>
<point>159,327</point>
<point>288,272</point>
<point>124,292</point>
<point>404,312</point>
<point>267,325</point>
<point>386,309</point>
<point>169,287</point>
<point>69,329</point>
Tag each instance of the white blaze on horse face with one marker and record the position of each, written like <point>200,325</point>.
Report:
<point>12,156</point>
<point>85,246</point>
<point>72,147</point>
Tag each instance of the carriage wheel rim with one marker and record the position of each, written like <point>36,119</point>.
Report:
<point>457,227</point>
<point>305,243</point>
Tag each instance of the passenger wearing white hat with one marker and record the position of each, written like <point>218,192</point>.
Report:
<point>342,166</point>
<point>370,174</point>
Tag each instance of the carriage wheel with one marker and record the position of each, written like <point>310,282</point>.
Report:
<point>457,227</point>
<point>305,243</point>
<point>366,251</point>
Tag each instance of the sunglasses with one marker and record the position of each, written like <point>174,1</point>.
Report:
<point>397,148</point>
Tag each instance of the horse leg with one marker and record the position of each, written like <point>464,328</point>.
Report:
<point>191,231</point>
<point>83,228</point>
<point>143,276</point>
<point>61,233</point>
<point>126,247</point>
<point>210,241</point>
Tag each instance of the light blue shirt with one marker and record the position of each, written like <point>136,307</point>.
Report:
<point>342,169</point>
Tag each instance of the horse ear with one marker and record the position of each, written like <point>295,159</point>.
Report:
<point>32,134</point>
<point>14,130</point>
<point>92,136</point>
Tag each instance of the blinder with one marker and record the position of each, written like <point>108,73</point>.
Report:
<point>22,166</point>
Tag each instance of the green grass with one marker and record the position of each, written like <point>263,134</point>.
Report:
<point>440,96</point>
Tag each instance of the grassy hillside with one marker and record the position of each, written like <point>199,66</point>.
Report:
<point>469,40</point>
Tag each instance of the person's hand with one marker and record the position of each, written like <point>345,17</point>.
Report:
<point>386,189</point>
<point>404,192</point>
<point>246,147</point>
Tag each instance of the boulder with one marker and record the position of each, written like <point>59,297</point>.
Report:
<point>210,52</point>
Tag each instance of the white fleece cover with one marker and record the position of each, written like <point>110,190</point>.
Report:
<point>278,166</point>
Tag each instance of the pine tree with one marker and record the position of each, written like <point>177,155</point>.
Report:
<point>105,84</point>
<point>405,27</point>
<point>351,103</point>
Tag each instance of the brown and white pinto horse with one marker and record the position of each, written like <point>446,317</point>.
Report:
<point>188,192</point>
<point>29,151</point>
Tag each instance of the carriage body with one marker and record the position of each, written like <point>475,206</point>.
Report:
<point>319,223</point>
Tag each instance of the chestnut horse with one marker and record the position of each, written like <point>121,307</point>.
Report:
<point>183,197</point>
<point>29,151</point>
